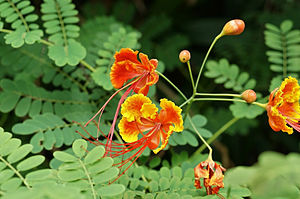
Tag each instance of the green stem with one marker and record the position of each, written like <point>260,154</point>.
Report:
<point>87,65</point>
<point>89,179</point>
<point>202,139</point>
<point>216,135</point>
<point>43,41</point>
<point>219,99</point>
<point>171,83</point>
<point>5,31</point>
<point>206,56</point>
<point>19,14</point>
<point>219,94</point>
<point>184,103</point>
<point>16,172</point>
<point>191,76</point>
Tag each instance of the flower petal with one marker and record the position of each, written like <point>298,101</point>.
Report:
<point>171,113</point>
<point>164,133</point>
<point>277,121</point>
<point>290,90</point>
<point>217,178</point>
<point>128,130</point>
<point>132,107</point>
<point>124,67</point>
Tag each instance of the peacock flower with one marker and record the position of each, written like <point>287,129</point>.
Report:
<point>141,118</point>
<point>212,174</point>
<point>283,107</point>
<point>141,126</point>
<point>125,68</point>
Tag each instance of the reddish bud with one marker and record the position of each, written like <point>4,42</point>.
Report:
<point>184,56</point>
<point>249,96</point>
<point>233,27</point>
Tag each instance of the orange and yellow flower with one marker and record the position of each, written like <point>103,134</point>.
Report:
<point>141,126</point>
<point>212,174</point>
<point>283,107</point>
<point>141,118</point>
<point>127,66</point>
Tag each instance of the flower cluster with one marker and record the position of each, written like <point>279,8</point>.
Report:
<point>127,67</point>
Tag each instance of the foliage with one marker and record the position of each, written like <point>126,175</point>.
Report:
<point>19,14</point>
<point>284,56</point>
<point>55,60</point>
<point>275,175</point>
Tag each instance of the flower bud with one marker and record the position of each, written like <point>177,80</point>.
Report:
<point>249,96</point>
<point>233,27</point>
<point>184,56</point>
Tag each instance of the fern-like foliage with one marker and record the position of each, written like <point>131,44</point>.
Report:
<point>118,38</point>
<point>51,131</point>
<point>27,98</point>
<point>14,162</point>
<point>19,13</point>
<point>284,56</point>
<point>232,78</point>
<point>88,171</point>
<point>59,18</point>
<point>229,75</point>
<point>168,183</point>
<point>188,135</point>
<point>31,62</point>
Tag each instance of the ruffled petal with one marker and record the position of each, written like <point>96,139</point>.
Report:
<point>128,130</point>
<point>164,133</point>
<point>124,67</point>
<point>149,110</point>
<point>171,113</point>
<point>278,122</point>
<point>289,90</point>
<point>132,107</point>
<point>217,178</point>
<point>127,54</point>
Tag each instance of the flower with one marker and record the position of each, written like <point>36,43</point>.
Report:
<point>212,174</point>
<point>283,107</point>
<point>127,67</point>
<point>141,126</point>
<point>233,27</point>
<point>141,117</point>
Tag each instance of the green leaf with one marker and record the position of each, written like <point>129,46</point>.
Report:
<point>240,110</point>
<point>30,162</point>
<point>99,166</point>
<point>101,77</point>
<point>112,190</point>
<point>71,54</point>
<point>9,146</point>
<point>71,175</point>
<point>94,155</point>
<point>8,102</point>
<point>11,185</point>
<point>20,153</point>
<point>106,175</point>
<point>64,157</point>
<point>79,147</point>
<point>23,106</point>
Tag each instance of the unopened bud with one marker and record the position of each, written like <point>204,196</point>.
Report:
<point>233,27</point>
<point>249,96</point>
<point>184,56</point>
